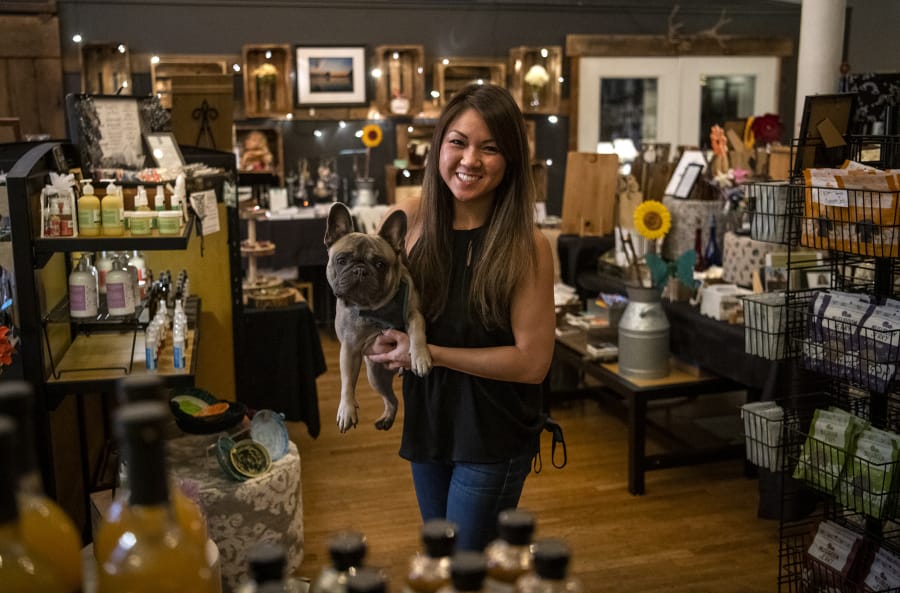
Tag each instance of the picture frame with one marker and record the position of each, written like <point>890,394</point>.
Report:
<point>331,75</point>
<point>818,279</point>
<point>162,148</point>
<point>688,180</point>
<point>260,150</point>
<point>828,150</point>
<point>688,158</point>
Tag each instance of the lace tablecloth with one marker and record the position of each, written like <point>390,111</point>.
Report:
<point>240,514</point>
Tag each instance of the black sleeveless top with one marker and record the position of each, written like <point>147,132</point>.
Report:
<point>451,416</point>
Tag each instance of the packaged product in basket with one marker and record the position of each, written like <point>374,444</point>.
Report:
<point>834,548</point>
<point>884,572</point>
<point>762,430</point>
<point>866,484</point>
<point>831,435</point>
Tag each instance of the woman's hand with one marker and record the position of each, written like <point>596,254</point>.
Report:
<point>391,348</point>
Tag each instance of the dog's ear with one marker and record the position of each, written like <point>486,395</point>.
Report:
<point>393,230</point>
<point>340,223</point>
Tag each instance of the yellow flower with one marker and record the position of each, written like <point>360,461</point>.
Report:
<point>652,219</point>
<point>371,135</point>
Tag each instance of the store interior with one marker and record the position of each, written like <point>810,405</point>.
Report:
<point>726,167</point>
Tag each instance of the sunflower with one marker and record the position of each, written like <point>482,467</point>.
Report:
<point>371,135</point>
<point>652,219</point>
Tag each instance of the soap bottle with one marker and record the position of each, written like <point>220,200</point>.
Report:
<point>111,211</point>
<point>141,220</point>
<point>137,260</point>
<point>104,265</point>
<point>551,562</point>
<point>509,556</point>
<point>179,194</point>
<point>88,211</point>
<point>84,294</point>
<point>430,570</point>
<point>119,289</point>
<point>347,549</point>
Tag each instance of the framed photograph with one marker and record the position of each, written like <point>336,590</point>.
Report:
<point>164,151</point>
<point>818,279</point>
<point>687,181</point>
<point>331,75</point>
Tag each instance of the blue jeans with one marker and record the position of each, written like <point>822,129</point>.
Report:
<point>471,495</point>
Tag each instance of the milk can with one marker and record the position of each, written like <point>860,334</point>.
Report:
<point>644,335</point>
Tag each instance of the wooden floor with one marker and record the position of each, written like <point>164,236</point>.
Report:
<point>695,531</point>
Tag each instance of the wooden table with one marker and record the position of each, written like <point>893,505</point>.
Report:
<point>636,393</point>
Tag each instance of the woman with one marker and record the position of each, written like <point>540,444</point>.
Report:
<point>485,276</point>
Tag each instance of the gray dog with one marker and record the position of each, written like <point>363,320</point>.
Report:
<point>374,291</point>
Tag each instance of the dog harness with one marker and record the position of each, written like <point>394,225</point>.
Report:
<point>393,314</point>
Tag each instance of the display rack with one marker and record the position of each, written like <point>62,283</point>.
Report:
<point>858,233</point>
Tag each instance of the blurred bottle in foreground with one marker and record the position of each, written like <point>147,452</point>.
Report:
<point>551,564</point>
<point>509,556</point>
<point>347,550</point>
<point>266,571</point>
<point>429,570</point>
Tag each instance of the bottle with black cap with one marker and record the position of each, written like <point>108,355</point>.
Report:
<point>45,526</point>
<point>267,562</point>
<point>468,570</point>
<point>347,550</point>
<point>430,570</point>
<point>21,569</point>
<point>152,555</point>
<point>509,556</point>
<point>551,564</point>
<point>366,580</point>
<point>133,389</point>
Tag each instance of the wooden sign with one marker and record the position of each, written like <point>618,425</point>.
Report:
<point>589,193</point>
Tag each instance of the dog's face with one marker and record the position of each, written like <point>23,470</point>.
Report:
<point>364,270</point>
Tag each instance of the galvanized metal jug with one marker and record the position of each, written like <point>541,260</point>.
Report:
<point>644,335</point>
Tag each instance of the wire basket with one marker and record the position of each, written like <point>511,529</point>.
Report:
<point>765,325</point>
<point>763,424</point>
<point>769,205</point>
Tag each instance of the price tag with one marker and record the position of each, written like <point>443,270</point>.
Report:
<point>834,197</point>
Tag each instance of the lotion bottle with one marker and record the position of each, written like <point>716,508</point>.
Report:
<point>104,265</point>
<point>83,291</point>
<point>119,289</point>
<point>111,212</point>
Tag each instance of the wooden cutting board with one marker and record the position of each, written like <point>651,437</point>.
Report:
<point>589,193</point>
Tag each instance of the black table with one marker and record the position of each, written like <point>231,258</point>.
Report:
<point>635,394</point>
<point>281,356</point>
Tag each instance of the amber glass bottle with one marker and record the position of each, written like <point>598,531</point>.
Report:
<point>21,570</point>
<point>430,570</point>
<point>468,570</point>
<point>347,550</point>
<point>152,555</point>
<point>551,564</point>
<point>187,512</point>
<point>46,529</point>
<point>509,556</point>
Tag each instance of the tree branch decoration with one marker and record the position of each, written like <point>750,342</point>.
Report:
<point>683,42</point>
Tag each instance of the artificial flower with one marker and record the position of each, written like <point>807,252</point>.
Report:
<point>537,76</point>
<point>718,141</point>
<point>652,219</point>
<point>7,349</point>
<point>371,135</point>
<point>767,128</point>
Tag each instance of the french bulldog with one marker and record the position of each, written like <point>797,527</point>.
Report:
<point>374,291</point>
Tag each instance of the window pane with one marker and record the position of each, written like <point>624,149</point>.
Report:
<point>722,99</point>
<point>628,109</point>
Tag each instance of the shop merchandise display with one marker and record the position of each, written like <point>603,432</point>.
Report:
<point>46,532</point>
<point>157,554</point>
<point>468,570</point>
<point>22,570</point>
<point>88,211</point>
<point>347,551</point>
<point>551,565</point>
<point>266,571</point>
<point>509,556</point>
<point>429,569</point>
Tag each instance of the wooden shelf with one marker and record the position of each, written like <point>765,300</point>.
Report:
<point>155,242</point>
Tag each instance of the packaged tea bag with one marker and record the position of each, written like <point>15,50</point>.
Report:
<point>867,481</point>
<point>822,458</point>
<point>835,547</point>
<point>884,572</point>
<point>762,429</point>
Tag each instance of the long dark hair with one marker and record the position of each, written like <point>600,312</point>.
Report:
<point>508,251</point>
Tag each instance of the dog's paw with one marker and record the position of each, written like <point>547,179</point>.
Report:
<point>386,421</point>
<point>347,417</point>
<point>420,362</point>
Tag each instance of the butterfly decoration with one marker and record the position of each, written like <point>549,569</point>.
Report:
<point>682,268</point>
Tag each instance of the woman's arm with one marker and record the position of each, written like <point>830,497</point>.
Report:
<point>533,321</point>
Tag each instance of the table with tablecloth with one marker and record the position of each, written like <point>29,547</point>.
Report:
<point>240,514</point>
